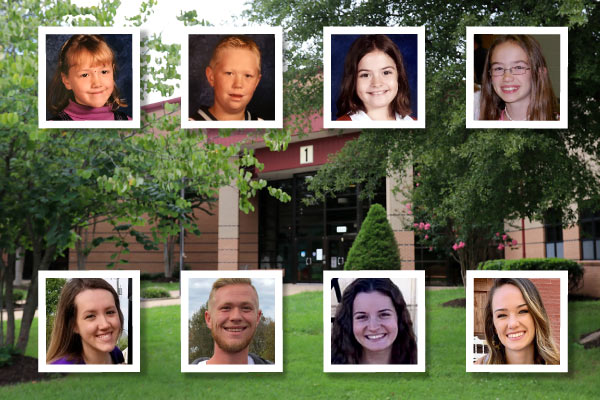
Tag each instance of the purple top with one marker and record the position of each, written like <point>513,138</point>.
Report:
<point>116,356</point>
<point>77,112</point>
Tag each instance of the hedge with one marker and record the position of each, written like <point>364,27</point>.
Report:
<point>539,264</point>
<point>154,293</point>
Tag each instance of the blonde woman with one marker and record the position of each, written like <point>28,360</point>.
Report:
<point>517,327</point>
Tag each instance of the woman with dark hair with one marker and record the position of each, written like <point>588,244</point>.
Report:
<point>517,327</point>
<point>372,325</point>
<point>374,85</point>
<point>88,324</point>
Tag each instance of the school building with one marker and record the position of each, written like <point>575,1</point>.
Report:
<point>304,240</point>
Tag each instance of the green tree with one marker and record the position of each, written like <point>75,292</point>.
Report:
<point>467,182</point>
<point>375,246</point>
<point>53,288</point>
<point>56,183</point>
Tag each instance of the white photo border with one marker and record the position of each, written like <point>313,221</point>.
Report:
<point>134,315</point>
<point>564,321</point>
<point>328,123</point>
<point>134,123</point>
<point>277,275</point>
<point>185,78</point>
<point>563,92</point>
<point>395,274</point>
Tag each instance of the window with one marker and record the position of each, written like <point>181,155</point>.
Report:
<point>589,223</point>
<point>553,233</point>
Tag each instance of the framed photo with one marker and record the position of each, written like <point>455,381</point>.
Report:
<point>232,78</point>
<point>88,77</point>
<point>509,313</point>
<point>374,77</point>
<point>517,77</point>
<point>106,325</point>
<point>231,321</point>
<point>382,313</point>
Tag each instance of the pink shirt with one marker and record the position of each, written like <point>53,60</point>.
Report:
<point>84,113</point>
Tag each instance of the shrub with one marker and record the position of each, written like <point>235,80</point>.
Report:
<point>19,294</point>
<point>155,292</point>
<point>375,246</point>
<point>6,355</point>
<point>539,264</point>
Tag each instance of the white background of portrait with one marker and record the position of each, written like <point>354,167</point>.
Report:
<point>562,93</point>
<point>134,123</point>
<point>110,277</point>
<point>359,30</point>
<point>278,79</point>
<point>191,302</point>
<point>564,322</point>
<point>412,281</point>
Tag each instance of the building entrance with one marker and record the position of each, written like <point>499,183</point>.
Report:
<point>305,238</point>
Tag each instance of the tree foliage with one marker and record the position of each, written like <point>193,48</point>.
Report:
<point>375,246</point>
<point>53,288</point>
<point>467,182</point>
<point>54,183</point>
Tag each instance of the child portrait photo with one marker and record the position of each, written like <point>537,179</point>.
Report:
<point>231,78</point>
<point>88,77</point>
<point>517,77</point>
<point>374,77</point>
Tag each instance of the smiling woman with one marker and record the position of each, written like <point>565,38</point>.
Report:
<point>88,324</point>
<point>372,325</point>
<point>517,327</point>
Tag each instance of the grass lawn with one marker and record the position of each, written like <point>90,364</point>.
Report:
<point>303,365</point>
<point>167,285</point>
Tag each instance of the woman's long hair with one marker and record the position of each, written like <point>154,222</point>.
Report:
<point>543,105</point>
<point>545,349</point>
<point>348,100</point>
<point>71,54</point>
<point>345,349</point>
<point>64,341</point>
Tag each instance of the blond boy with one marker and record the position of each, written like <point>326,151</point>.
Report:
<point>234,73</point>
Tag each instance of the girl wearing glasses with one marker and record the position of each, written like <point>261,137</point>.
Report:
<point>515,82</point>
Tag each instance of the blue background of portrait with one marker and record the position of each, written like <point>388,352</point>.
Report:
<point>121,45</point>
<point>407,44</point>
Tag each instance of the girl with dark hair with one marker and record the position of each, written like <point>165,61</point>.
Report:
<point>88,324</point>
<point>515,82</point>
<point>374,84</point>
<point>517,327</point>
<point>83,87</point>
<point>372,325</point>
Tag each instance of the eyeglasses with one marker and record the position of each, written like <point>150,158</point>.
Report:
<point>516,70</point>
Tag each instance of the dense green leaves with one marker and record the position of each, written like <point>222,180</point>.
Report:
<point>375,246</point>
<point>467,183</point>
<point>55,184</point>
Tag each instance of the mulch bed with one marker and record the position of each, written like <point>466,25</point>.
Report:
<point>24,369</point>
<point>457,303</point>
